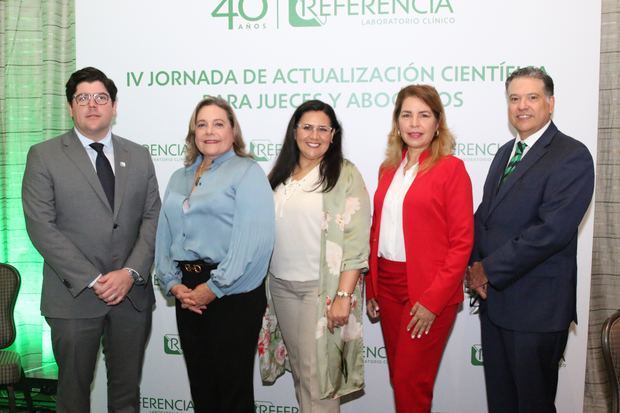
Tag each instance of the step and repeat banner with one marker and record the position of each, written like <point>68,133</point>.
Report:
<point>267,57</point>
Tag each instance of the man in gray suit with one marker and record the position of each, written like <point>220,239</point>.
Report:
<point>91,204</point>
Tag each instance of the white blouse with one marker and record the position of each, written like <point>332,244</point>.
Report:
<point>299,211</point>
<point>391,236</point>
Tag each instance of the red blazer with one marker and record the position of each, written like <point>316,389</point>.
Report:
<point>438,231</point>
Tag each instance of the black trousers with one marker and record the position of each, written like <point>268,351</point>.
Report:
<point>520,368</point>
<point>219,347</point>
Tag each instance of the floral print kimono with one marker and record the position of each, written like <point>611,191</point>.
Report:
<point>344,246</point>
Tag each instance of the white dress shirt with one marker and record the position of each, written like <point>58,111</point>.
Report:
<point>108,148</point>
<point>529,141</point>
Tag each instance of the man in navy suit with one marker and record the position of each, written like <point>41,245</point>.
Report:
<point>524,264</point>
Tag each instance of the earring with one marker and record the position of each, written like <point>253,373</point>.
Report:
<point>437,132</point>
<point>398,132</point>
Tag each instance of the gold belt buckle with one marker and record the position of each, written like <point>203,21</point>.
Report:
<point>195,268</point>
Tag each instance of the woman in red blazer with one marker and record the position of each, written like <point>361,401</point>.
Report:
<point>420,242</point>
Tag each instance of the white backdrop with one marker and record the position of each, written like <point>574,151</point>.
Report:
<point>266,57</point>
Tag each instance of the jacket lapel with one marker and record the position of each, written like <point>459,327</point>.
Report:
<point>491,186</point>
<point>77,154</point>
<point>540,148</point>
<point>121,164</point>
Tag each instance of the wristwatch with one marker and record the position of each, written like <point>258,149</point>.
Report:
<point>137,278</point>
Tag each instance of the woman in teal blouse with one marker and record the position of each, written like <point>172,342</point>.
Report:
<point>214,241</point>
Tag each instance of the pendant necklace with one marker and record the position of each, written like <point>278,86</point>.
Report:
<point>199,173</point>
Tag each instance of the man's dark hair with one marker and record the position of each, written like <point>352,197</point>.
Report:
<point>89,75</point>
<point>536,73</point>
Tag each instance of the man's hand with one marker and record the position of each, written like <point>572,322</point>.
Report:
<point>113,286</point>
<point>476,279</point>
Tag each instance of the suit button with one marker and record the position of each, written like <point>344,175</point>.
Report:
<point>115,226</point>
<point>486,227</point>
<point>66,283</point>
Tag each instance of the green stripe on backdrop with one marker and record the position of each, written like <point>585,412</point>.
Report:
<point>37,56</point>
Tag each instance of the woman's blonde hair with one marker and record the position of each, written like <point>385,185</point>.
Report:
<point>443,141</point>
<point>192,151</point>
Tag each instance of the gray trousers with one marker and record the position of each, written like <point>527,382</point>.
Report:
<point>295,307</point>
<point>123,331</point>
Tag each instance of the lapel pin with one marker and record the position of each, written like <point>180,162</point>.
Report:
<point>122,164</point>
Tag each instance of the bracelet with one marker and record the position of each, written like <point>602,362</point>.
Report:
<point>342,293</point>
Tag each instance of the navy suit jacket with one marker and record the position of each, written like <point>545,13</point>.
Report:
<point>526,233</point>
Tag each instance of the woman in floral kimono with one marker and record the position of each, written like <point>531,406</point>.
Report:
<point>313,320</point>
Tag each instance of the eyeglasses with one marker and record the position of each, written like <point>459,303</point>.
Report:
<point>322,130</point>
<point>83,98</point>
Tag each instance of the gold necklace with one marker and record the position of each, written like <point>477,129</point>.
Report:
<point>199,173</point>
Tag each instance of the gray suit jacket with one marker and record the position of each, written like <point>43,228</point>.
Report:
<point>71,224</point>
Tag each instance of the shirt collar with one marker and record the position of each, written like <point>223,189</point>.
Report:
<point>224,157</point>
<point>531,140</point>
<point>106,141</point>
<point>216,162</point>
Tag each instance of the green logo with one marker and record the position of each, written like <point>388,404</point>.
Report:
<point>259,15</point>
<point>172,344</point>
<point>239,14</point>
<point>155,404</point>
<point>476,355</point>
<point>270,407</point>
<point>374,355</point>
<point>264,150</point>
<point>301,14</point>
<point>313,13</point>
<point>474,151</point>
<point>166,152</point>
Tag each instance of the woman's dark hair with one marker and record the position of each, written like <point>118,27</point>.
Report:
<point>331,164</point>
